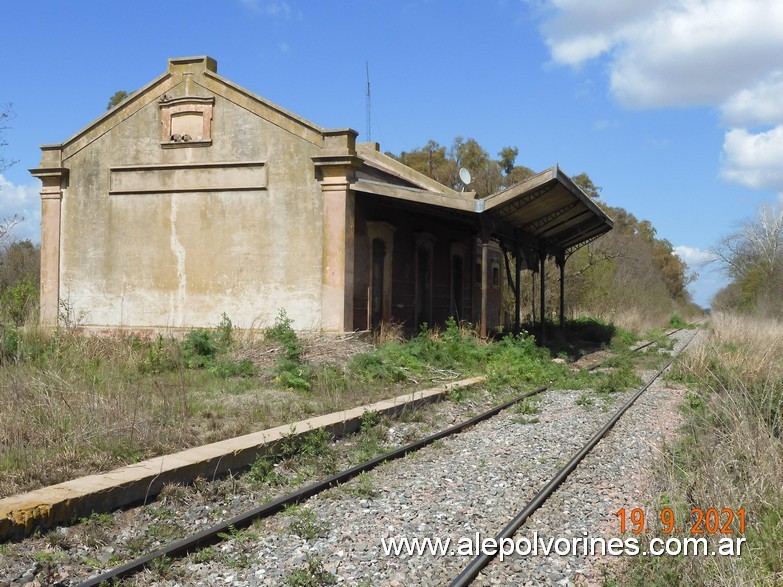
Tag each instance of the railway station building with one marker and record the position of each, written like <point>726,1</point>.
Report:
<point>195,197</point>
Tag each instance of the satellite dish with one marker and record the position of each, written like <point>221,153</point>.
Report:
<point>464,175</point>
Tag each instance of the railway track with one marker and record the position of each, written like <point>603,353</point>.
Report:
<point>230,527</point>
<point>471,572</point>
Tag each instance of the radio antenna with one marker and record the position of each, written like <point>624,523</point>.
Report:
<point>369,103</point>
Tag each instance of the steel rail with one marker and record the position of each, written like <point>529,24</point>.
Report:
<point>469,574</point>
<point>213,534</point>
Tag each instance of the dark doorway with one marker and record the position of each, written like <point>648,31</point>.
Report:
<point>423,286</point>
<point>376,286</point>
<point>456,287</point>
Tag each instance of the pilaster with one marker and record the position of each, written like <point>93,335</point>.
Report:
<point>336,169</point>
<point>54,180</point>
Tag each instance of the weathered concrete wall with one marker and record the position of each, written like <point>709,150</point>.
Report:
<point>144,246</point>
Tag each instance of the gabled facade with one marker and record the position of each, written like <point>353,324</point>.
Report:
<point>193,198</point>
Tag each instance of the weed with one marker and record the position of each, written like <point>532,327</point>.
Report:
<point>205,555</point>
<point>57,539</point>
<point>46,557</point>
<point>312,575</point>
<point>370,419</point>
<point>165,532</point>
<point>264,471</point>
<point>136,545</point>
<point>161,566</point>
<point>199,348</point>
<point>369,443</point>
<point>676,321</point>
<point>458,394</point>
<point>360,487</point>
<point>617,380</point>
<point>231,534</point>
<point>304,523</point>
<point>585,400</point>
<point>528,406</point>
<point>316,444</point>
<point>290,371</point>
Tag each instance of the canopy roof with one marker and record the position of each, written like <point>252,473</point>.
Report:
<point>547,212</point>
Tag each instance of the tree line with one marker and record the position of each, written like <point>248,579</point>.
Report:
<point>20,261</point>
<point>752,258</point>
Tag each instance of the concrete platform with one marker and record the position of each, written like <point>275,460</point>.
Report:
<point>22,514</point>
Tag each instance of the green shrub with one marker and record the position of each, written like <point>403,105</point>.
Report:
<point>206,349</point>
<point>676,321</point>
<point>290,371</point>
<point>9,343</point>
<point>312,575</point>
<point>19,301</point>
<point>199,348</point>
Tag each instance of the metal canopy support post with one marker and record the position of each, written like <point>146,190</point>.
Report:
<point>514,283</point>
<point>542,309</point>
<point>561,260</point>
<point>486,225</point>
<point>517,291</point>
<point>533,297</point>
<point>484,288</point>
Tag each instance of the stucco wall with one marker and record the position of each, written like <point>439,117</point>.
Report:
<point>169,259</point>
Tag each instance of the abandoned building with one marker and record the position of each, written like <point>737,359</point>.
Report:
<point>194,197</point>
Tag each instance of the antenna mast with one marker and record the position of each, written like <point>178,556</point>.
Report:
<point>369,105</point>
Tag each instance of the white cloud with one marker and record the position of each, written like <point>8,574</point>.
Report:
<point>759,104</point>
<point>671,52</point>
<point>269,7</point>
<point>24,201</point>
<point>693,257</point>
<point>754,159</point>
<point>583,30</point>
<point>723,54</point>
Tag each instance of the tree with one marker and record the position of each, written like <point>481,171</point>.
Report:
<point>6,226</point>
<point>508,156</point>
<point>512,173</point>
<point>431,160</point>
<point>20,265</point>
<point>6,115</point>
<point>116,98</point>
<point>486,173</point>
<point>583,181</point>
<point>752,257</point>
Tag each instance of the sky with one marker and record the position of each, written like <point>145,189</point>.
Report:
<point>673,107</point>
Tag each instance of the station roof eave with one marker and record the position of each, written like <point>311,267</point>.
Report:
<point>547,212</point>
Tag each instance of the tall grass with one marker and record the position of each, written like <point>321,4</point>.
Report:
<point>73,404</point>
<point>731,453</point>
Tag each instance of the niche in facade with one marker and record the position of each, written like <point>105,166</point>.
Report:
<point>186,121</point>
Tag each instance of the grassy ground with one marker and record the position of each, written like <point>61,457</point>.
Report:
<point>729,455</point>
<point>72,405</point>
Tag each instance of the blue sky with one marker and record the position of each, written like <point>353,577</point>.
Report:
<point>673,107</point>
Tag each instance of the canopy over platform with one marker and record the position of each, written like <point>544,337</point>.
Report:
<point>548,213</point>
